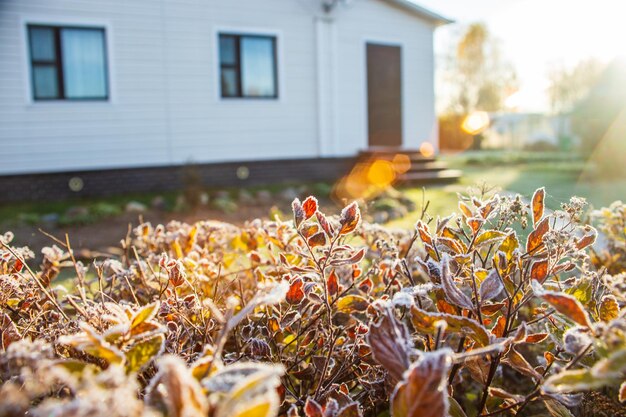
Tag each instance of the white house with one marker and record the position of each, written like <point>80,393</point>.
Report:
<point>107,84</point>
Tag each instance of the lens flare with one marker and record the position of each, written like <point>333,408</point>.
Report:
<point>427,149</point>
<point>476,122</point>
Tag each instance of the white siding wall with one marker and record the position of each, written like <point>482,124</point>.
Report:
<point>165,107</point>
<point>380,22</point>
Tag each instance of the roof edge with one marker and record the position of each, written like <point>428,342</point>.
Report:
<point>422,11</point>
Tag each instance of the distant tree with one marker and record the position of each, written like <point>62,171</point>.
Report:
<point>477,74</point>
<point>568,86</point>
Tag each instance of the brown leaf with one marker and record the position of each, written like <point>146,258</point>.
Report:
<point>391,345</point>
<point>515,360</point>
<point>326,226</point>
<point>308,229</point>
<point>539,270</point>
<point>535,238</point>
<point>353,259</point>
<point>491,286</point>
<point>350,410</point>
<point>465,209</point>
<point>475,223</point>
<point>312,408</point>
<point>349,219</point>
<point>452,293</point>
<point>295,293</point>
<point>564,304</point>
<point>499,328</point>
<point>423,392</point>
<point>422,230</point>
<point>622,392</point>
<point>331,283</point>
<point>298,212</point>
<point>536,337</point>
<point>318,239</point>
<point>8,331</point>
<point>309,206</point>
<point>588,239</point>
<point>491,309</point>
<point>538,204</point>
<point>426,322</point>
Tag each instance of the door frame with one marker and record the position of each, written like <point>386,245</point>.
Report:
<point>384,41</point>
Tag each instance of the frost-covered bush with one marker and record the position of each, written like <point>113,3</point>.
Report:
<point>321,316</point>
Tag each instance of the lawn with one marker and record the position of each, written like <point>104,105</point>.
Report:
<point>519,173</point>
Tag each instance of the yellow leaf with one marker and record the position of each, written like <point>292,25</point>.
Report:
<point>609,309</point>
<point>351,303</point>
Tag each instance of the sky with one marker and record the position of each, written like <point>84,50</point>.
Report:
<point>537,35</point>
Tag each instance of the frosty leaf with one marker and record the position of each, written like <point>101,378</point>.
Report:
<point>353,259</point>
<point>309,206</point>
<point>475,223</point>
<point>539,270</point>
<point>572,381</point>
<point>536,337</point>
<point>556,409</point>
<point>350,410</point>
<point>318,239</point>
<point>426,322</point>
<point>142,352</point>
<point>312,408</point>
<point>323,221</point>
<point>535,238</point>
<point>609,309</point>
<point>622,392</point>
<point>8,331</point>
<point>254,394</point>
<point>515,360</point>
<point>331,283</point>
<point>298,212</point>
<point>491,286</point>
<point>423,392</point>
<point>295,293</point>
<point>588,239</point>
<point>391,345</point>
<point>422,230</point>
<point>144,314</point>
<point>538,204</point>
<point>564,304</point>
<point>175,388</point>
<point>352,303</point>
<point>489,237</point>
<point>308,229</point>
<point>465,209</point>
<point>455,408</point>
<point>509,245</point>
<point>453,294</point>
<point>349,219</point>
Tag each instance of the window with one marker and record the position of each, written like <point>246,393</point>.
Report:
<point>68,63</point>
<point>248,66</point>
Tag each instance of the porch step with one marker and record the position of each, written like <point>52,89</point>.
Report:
<point>423,170</point>
<point>446,176</point>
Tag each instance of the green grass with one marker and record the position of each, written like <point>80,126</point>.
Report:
<point>559,173</point>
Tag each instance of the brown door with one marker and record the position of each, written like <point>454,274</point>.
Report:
<point>384,95</point>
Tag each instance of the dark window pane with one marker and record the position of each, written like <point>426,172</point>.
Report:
<point>84,66</point>
<point>228,50</point>
<point>45,81</point>
<point>229,82</point>
<point>257,67</point>
<point>42,44</point>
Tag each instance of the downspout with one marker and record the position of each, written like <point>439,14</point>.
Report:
<point>325,44</point>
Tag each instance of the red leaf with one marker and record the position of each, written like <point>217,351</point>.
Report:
<point>564,304</point>
<point>310,207</point>
<point>422,230</point>
<point>588,239</point>
<point>539,270</point>
<point>295,293</point>
<point>331,283</point>
<point>355,258</point>
<point>538,204</point>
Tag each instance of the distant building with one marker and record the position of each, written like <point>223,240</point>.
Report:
<point>529,130</point>
<point>88,85</point>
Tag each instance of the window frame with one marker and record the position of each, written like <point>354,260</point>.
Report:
<point>238,65</point>
<point>58,61</point>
